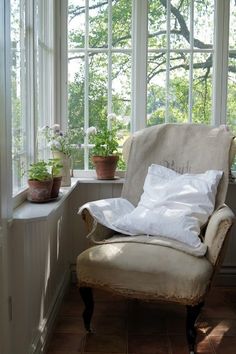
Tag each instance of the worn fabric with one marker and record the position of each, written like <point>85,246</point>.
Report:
<point>144,271</point>
<point>185,148</point>
<point>217,229</point>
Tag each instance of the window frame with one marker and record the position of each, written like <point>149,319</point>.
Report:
<point>39,98</point>
<point>140,51</point>
<point>5,174</point>
<point>139,70</point>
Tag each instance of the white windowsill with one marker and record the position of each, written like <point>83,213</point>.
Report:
<point>31,212</point>
<point>36,211</point>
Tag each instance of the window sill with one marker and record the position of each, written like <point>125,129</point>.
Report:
<point>36,211</point>
<point>31,212</point>
<point>117,180</point>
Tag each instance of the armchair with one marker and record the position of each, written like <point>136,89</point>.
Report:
<point>158,268</point>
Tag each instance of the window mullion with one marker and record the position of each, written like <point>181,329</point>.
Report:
<point>109,84</point>
<point>5,175</point>
<point>220,72</point>
<point>86,85</point>
<point>190,96</point>
<point>29,102</point>
<point>139,64</point>
<point>61,63</point>
<point>167,62</point>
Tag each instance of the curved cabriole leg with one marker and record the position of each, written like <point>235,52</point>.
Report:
<point>87,297</point>
<point>192,314</point>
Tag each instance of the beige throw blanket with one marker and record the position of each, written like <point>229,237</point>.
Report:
<point>185,148</point>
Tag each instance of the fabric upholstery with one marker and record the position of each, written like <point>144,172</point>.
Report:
<point>148,271</point>
<point>145,271</point>
<point>185,148</point>
<point>217,228</point>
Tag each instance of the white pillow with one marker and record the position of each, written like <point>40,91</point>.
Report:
<point>173,205</point>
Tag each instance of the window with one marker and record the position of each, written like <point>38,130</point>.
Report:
<point>99,65</point>
<point>32,81</point>
<point>231,98</point>
<point>180,56</point>
<point>149,62</point>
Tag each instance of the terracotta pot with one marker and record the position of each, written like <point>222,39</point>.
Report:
<point>105,166</point>
<point>65,171</point>
<point>39,191</point>
<point>56,186</point>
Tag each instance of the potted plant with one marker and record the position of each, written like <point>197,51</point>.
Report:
<point>40,182</point>
<point>56,168</point>
<point>105,148</point>
<point>62,145</point>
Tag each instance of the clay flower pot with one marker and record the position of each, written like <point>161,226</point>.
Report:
<point>105,166</point>
<point>39,191</point>
<point>56,186</point>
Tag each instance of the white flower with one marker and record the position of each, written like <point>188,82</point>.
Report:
<point>56,128</point>
<point>111,117</point>
<point>91,131</point>
<point>43,129</point>
<point>55,145</point>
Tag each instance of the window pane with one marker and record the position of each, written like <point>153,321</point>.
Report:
<point>121,23</point>
<point>121,93</point>
<point>188,77</point>
<point>44,60</point>
<point>76,89</point>
<point>203,23</point>
<point>231,111</point>
<point>180,24</point>
<point>231,99</point>
<point>77,159</point>
<point>98,23</point>
<point>156,24</point>
<point>156,89</point>
<point>76,23</point>
<point>97,89</point>
<point>18,75</point>
<point>178,88</point>
<point>202,88</point>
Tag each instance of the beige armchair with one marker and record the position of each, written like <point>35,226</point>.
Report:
<point>158,269</point>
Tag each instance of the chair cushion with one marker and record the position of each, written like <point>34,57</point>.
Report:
<point>145,271</point>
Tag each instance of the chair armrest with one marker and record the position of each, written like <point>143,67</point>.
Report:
<point>216,232</point>
<point>97,233</point>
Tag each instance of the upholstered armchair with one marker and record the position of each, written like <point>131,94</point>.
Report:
<point>152,265</point>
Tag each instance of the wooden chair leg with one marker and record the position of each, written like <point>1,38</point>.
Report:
<point>87,297</point>
<point>192,315</point>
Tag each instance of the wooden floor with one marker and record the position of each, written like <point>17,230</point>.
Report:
<point>127,326</point>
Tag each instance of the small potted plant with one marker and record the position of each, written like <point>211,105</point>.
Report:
<point>105,150</point>
<point>62,145</point>
<point>56,174</point>
<point>40,182</point>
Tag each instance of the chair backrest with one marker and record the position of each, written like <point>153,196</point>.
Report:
<point>185,148</point>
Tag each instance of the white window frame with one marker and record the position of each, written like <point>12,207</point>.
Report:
<point>5,175</point>
<point>139,63</point>
<point>38,96</point>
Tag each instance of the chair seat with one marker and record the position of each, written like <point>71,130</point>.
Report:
<point>146,271</point>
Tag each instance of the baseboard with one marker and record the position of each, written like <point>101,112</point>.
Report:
<point>226,276</point>
<point>40,341</point>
